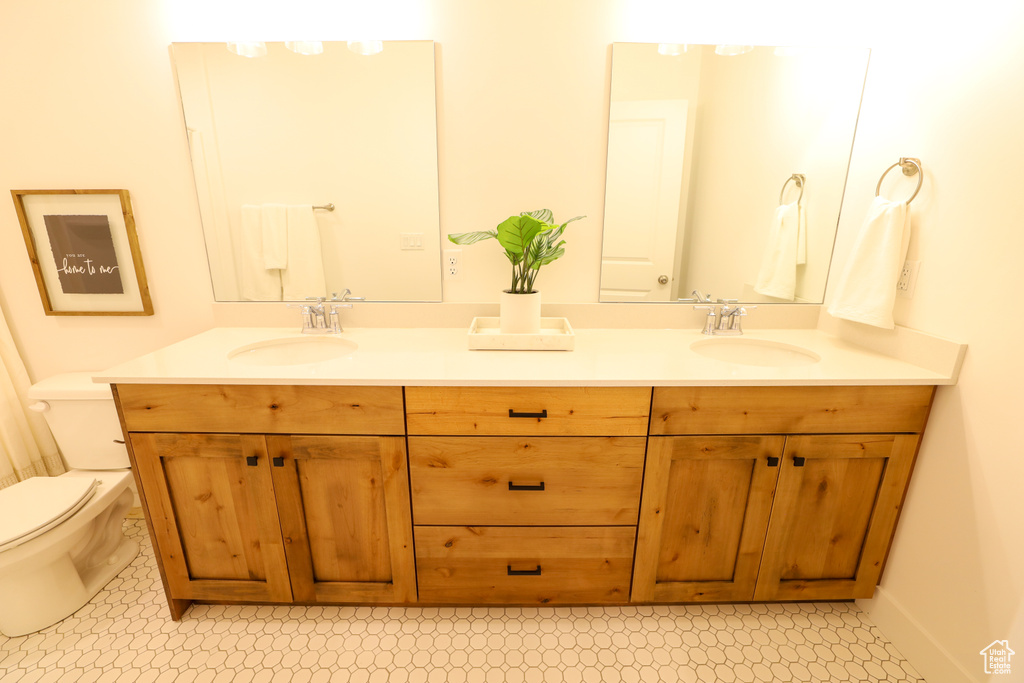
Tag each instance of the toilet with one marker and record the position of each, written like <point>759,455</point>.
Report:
<point>61,538</point>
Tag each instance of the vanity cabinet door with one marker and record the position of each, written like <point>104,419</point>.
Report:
<point>211,504</point>
<point>706,504</point>
<point>834,515</point>
<point>345,515</point>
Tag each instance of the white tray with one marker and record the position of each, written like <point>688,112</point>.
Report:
<point>555,335</point>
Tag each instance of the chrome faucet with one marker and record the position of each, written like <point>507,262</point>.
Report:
<point>336,303</point>
<point>322,316</point>
<point>725,321</point>
<point>698,297</point>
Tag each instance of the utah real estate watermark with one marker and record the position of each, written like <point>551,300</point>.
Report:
<point>997,657</point>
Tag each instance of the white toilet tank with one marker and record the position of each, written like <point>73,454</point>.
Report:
<point>83,420</point>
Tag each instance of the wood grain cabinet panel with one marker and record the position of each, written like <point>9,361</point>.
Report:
<point>524,565</point>
<point>789,410</point>
<point>835,512</point>
<point>707,501</point>
<point>344,508</point>
<point>306,409</point>
<point>528,411</point>
<point>211,504</point>
<point>522,480</point>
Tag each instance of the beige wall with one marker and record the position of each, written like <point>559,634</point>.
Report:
<point>89,101</point>
<point>955,98</point>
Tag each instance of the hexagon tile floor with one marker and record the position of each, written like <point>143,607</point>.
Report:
<point>124,634</point>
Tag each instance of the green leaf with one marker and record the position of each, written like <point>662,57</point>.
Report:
<point>472,237</point>
<point>543,215</point>
<point>562,227</point>
<point>516,233</point>
<point>548,257</point>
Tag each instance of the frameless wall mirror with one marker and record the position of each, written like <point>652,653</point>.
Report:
<point>315,167</point>
<point>726,170</point>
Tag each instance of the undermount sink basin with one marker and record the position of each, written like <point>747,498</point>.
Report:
<point>762,352</point>
<point>293,351</point>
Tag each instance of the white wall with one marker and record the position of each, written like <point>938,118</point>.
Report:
<point>954,96</point>
<point>89,101</point>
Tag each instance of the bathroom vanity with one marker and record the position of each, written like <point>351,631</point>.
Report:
<point>437,476</point>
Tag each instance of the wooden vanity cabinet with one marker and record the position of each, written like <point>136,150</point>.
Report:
<point>526,495</point>
<point>512,495</point>
<point>741,505</point>
<point>313,508</point>
<point>210,499</point>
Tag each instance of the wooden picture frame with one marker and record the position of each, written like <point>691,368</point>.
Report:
<point>84,251</point>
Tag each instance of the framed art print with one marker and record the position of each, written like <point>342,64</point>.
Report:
<point>84,251</point>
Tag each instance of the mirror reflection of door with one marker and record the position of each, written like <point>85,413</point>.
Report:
<point>646,148</point>
<point>750,118</point>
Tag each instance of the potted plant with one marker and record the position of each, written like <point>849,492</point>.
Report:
<point>530,240</point>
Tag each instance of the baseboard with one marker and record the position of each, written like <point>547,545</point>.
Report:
<point>914,642</point>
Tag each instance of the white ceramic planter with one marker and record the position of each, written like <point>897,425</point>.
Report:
<point>520,313</point>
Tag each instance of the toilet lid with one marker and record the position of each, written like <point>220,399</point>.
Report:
<point>31,507</point>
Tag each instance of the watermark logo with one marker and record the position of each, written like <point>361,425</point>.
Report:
<point>997,657</point>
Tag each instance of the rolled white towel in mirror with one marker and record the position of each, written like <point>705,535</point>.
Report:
<point>866,291</point>
<point>785,250</point>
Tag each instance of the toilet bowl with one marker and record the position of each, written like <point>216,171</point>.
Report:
<point>61,538</point>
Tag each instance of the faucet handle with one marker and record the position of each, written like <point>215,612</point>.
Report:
<point>346,296</point>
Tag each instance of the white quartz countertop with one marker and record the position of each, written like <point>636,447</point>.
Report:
<point>602,357</point>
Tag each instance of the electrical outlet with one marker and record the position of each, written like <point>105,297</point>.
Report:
<point>908,279</point>
<point>452,263</point>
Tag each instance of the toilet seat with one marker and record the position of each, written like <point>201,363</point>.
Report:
<point>32,507</point>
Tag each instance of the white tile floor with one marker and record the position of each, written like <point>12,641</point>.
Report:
<point>125,634</point>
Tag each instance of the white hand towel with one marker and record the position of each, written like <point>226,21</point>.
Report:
<point>255,282</point>
<point>785,250</point>
<point>866,291</point>
<point>304,275</point>
<point>275,236</point>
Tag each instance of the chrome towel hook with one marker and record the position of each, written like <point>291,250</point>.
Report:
<point>910,166</point>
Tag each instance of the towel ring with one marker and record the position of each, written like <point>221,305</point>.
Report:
<point>910,166</point>
<point>799,179</point>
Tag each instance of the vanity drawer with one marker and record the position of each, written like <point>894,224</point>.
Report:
<point>524,565</point>
<point>522,480</point>
<point>261,409</point>
<point>528,411</point>
<point>789,410</point>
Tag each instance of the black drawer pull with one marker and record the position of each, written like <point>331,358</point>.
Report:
<point>512,413</point>
<point>798,461</point>
<point>523,572</point>
<point>526,487</point>
<point>120,441</point>
<point>773,461</point>
<point>251,460</point>
<point>279,461</point>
